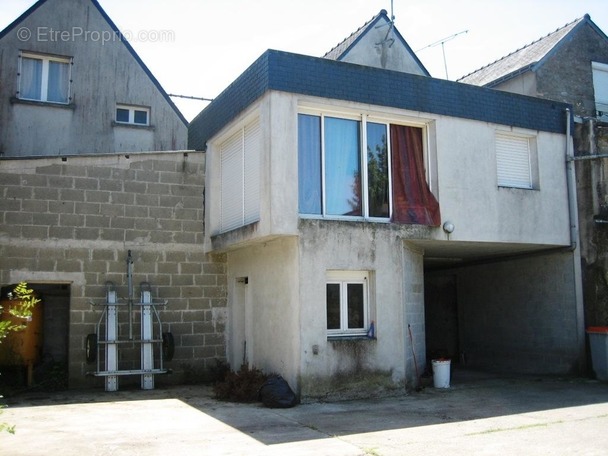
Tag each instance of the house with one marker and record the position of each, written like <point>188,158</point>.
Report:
<point>93,172</point>
<point>72,84</point>
<point>378,44</point>
<point>571,65</point>
<point>372,220</point>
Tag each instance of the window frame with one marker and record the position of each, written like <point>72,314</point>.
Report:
<point>503,181</point>
<point>44,78</point>
<point>345,278</point>
<point>600,75</point>
<point>364,119</point>
<point>132,110</point>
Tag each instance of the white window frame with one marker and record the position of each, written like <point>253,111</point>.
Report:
<point>600,87</point>
<point>344,278</point>
<point>132,109</point>
<point>44,89</point>
<point>364,120</point>
<point>514,153</point>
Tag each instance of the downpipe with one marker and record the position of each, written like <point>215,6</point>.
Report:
<point>575,244</point>
<point>571,183</point>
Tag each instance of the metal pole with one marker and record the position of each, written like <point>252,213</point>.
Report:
<point>130,282</point>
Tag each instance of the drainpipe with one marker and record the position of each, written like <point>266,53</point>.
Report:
<point>571,182</point>
<point>575,245</point>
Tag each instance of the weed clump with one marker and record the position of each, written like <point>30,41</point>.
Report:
<point>240,386</point>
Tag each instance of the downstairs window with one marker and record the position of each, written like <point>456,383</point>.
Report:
<point>347,303</point>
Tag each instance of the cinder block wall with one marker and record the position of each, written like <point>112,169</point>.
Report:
<point>73,221</point>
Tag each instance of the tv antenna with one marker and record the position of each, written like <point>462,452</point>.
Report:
<point>391,25</point>
<point>442,42</point>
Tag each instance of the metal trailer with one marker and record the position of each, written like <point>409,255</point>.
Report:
<point>107,337</point>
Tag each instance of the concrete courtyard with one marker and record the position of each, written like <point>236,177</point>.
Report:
<point>479,414</point>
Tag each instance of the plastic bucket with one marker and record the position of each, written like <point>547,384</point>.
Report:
<point>441,373</point>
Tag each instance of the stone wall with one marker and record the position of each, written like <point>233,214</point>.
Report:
<point>73,220</point>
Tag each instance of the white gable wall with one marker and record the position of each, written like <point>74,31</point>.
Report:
<point>382,49</point>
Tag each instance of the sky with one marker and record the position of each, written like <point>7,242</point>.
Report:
<point>198,47</point>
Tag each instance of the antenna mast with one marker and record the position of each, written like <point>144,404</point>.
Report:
<point>442,42</point>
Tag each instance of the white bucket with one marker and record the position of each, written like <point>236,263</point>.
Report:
<point>441,373</point>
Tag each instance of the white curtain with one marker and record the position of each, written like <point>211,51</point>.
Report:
<point>31,79</point>
<point>59,74</point>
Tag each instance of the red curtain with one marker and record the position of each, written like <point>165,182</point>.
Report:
<point>413,202</point>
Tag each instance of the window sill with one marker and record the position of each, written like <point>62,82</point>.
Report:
<point>342,218</point>
<point>349,338</point>
<point>47,104</point>
<point>137,127</point>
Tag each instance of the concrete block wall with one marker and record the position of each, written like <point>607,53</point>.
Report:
<point>527,323</point>
<point>414,314</point>
<point>73,221</point>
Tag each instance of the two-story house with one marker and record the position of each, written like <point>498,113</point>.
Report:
<point>571,65</point>
<point>72,84</point>
<point>338,192</point>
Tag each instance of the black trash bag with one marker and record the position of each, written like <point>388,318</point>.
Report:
<point>276,393</point>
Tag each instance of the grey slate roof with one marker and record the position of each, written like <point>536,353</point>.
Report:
<point>521,60</point>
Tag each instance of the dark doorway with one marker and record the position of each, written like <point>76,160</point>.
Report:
<point>47,368</point>
<point>441,317</point>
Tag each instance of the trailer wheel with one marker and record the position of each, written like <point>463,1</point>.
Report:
<point>168,346</point>
<point>91,348</point>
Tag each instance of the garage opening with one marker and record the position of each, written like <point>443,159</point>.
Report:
<point>514,314</point>
<point>36,358</point>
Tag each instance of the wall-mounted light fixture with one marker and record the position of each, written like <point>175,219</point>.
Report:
<point>448,227</point>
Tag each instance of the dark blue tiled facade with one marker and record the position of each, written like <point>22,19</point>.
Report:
<point>318,77</point>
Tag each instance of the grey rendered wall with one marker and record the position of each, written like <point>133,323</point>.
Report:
<point>74,221</point>
<point>104,73</point>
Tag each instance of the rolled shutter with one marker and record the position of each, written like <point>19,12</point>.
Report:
<point>231,205</point>
<point>513,161</point>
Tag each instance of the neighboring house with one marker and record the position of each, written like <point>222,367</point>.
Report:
<point>71,84</point>
<point>378,44</point>
<point>372,220</point>
<point>571,65</point>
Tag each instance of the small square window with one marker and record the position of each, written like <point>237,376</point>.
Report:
<point>134,115</point>
<point>347,303</point>
<point>513,161</point>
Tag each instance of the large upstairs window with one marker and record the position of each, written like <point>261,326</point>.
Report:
<point>362,169</point>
